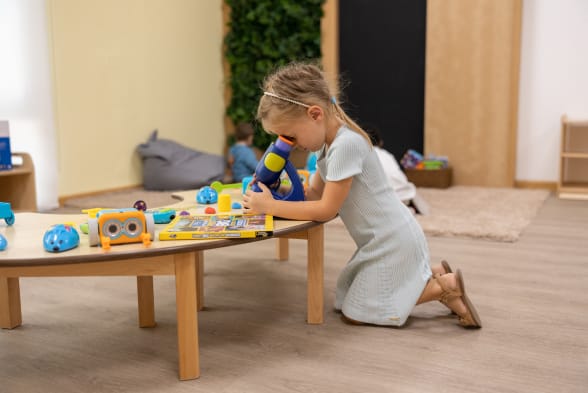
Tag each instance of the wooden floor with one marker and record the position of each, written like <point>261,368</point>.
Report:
<point>81,335</point>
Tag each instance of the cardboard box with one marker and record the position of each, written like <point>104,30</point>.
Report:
<point>5,152</point>
<point>434,178</point>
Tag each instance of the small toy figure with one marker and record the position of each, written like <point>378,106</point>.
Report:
<point>6,213</point>
<point>61,237</point>
<point>184,213</point>
<point>207,195</point>
<point>121,226</point>
<point>3,243</point>
<point>210,210</point>
<point>140,205</point>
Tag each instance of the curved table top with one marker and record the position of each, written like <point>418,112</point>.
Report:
<point>25,238</point>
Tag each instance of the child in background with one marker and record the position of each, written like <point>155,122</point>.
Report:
<point>242,159</point>
<point>389,273</point>
<point>405,190</point>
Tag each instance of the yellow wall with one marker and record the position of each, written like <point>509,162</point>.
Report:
<point>124,68</point>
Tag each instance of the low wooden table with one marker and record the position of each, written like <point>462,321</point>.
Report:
<point>25,257</point>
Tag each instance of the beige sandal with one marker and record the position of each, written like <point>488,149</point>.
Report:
<point>447,294</point>
<point>446,266</point>
<point>470,319</point>
<point>447,270</point>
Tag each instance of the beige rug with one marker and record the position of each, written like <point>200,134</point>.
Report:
<point>499,214</point>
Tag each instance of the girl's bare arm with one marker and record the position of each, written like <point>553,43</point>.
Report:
<point>316,188</point>
<point>323,209</point>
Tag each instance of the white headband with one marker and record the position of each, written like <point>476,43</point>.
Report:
<point>267,93</point>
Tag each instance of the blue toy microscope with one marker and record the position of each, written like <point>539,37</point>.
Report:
<point>270,168</point>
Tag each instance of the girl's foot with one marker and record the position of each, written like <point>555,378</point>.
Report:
<point>454,297</point>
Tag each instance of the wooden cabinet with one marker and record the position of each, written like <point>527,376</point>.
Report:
<point>573,176</point>
<point>17,185</point>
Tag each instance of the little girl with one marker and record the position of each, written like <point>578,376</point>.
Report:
<point>389,272</point>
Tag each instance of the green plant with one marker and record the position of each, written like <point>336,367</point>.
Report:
<point>263,35</point>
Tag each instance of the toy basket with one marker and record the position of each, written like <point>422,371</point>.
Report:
<point>433,178</point>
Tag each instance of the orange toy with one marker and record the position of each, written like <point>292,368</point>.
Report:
<point>121,226</point>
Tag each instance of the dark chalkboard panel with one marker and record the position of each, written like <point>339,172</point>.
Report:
<point>382,66</point>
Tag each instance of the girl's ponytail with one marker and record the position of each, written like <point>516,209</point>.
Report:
<point>349,121</point>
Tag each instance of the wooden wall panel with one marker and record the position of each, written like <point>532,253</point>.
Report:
<point>330,41</point>
<point>471,87</point>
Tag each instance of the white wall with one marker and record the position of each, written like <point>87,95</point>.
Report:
<point>553,81</point>
<point>25,90</point>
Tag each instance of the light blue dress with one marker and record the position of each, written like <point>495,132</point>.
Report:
<point>390,268</point>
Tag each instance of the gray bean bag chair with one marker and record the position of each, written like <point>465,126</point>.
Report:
<point>167,165</point>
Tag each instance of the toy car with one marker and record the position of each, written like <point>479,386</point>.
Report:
<point>163,215</point>
<point>6,213</point>
<point>119,226</point>
<point>61,237</point>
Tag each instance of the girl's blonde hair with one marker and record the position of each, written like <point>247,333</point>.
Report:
<point>291,89</point>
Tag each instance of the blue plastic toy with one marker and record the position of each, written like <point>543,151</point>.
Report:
<point>270,167</point>
<point>311,162</point>
<point>245,184</point>
<point>6,213</point>
<point>311,166</point>
<point>3,243</point>
<point>61,237</point>
<point>207,195</point>
<point>162,215</point>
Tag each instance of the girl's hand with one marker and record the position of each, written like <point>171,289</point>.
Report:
<point>257,202</point>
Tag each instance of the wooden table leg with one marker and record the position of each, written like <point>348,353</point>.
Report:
<point>199,258</point>
<point>315,275</point>
<point>10,312</point>
<point>282,249</point>
<point>186,314</point>
<point>146,301</point>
